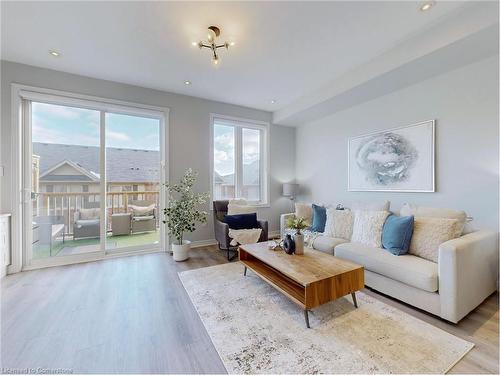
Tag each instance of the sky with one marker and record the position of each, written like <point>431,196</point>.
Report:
<point>224,148</point>
<point>76,126</point>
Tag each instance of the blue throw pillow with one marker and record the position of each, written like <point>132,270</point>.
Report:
<point>242,221</point>
<point>396,234</point>
<point>318,218</point>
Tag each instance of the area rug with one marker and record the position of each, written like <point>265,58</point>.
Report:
<point>255,329</point>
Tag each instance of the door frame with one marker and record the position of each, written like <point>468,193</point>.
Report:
<point>21,136</point>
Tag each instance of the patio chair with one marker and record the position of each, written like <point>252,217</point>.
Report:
<point>87,223</point>
<point>222,229</point>
<point>143,215</point>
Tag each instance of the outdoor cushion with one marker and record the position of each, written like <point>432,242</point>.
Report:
<point>89,213</point>
<point>326,244</point>
<point>87,223</point>
<point>143,218</point>
<point>408,269</point>
<point>142,210</point>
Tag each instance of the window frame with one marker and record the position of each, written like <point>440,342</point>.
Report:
<point>264,167</point>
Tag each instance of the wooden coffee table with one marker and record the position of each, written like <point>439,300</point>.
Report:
<point>309,280</point>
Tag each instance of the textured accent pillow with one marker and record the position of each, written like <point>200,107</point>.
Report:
<point>305,211</point>
<point>239,209</point>
<point>339,223</point>
<point>243,221</point>
<point>371,206</point>
<point>142,210</point>
<point>429,233</point>
<point>396,234</point>
<point>445,213</point>
<point>367,228</point>
<point>318,218</point>
<point>89,213</point>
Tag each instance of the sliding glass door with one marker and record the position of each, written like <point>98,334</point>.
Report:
<point>94,179</point>
<point>132,181</point>
<point>66,183</point>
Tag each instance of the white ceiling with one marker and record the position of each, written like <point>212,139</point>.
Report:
<point>283,50</point>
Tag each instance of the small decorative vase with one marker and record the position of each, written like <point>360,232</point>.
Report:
<point>181,252</point>
<point>289,244</point>
<point>299,244</point>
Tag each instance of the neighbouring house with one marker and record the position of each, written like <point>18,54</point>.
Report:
<point>75,169</point>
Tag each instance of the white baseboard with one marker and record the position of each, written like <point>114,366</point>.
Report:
<point>202,243</point>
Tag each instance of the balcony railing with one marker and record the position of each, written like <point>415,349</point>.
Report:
<point>65,204</point>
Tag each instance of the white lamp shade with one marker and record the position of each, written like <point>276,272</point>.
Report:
<point>290,190</point>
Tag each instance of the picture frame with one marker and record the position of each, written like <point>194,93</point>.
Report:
<point>400,159</point>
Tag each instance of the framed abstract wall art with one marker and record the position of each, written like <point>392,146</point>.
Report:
<point>398,160</point>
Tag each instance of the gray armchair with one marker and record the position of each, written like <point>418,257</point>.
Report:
<point>143,220</point>
<point>222,229</point>
<point>87,222</point>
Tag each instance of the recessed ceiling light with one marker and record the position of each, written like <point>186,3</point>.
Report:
<point>427,5</point>
<point>187,82</point>
<point>55,53</point>
<point>273,101</point>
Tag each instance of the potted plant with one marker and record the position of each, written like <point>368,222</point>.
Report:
<point>182,213</point>
<point>297,223</point>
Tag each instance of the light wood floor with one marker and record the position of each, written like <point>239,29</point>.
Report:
<point>132,315</point>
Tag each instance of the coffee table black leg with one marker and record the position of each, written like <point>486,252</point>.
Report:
<point>354,300</point>
<point>245,271</point>
<point>306,317</point>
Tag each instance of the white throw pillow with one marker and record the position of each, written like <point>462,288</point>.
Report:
<point>89,213</point>
<point>429,233</point>
<point>371,206</point>
<point>445,213</point>
<point>304,210</point>
<point>339,223</point>
<point>238,209</point>
<point>367,228</point>
<point>142,210</point>
<point>238,201</point>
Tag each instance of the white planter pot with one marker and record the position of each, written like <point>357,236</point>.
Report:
<point>181,252</point>
<point>299,244</point>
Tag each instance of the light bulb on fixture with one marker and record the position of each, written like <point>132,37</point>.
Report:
<point>427,5</point>
<point>211,43</point>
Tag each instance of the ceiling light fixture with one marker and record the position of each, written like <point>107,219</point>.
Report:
<point>54,53</point>
<point>187,82</point>
<point>273,101</point>
<point>427,5</point>
<point>211,43</point>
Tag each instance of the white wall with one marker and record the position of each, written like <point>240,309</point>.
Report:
<point>465,104</point>
<point>189,131</point>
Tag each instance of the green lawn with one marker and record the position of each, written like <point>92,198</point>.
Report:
<point>112,242</point>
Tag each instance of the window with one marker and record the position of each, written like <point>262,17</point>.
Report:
<point>239,159</point>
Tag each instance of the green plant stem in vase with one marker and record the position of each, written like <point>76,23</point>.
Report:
<point>297,223</point>
<point>182,212</point>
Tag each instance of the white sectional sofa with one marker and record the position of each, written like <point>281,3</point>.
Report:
<point>466,272</point>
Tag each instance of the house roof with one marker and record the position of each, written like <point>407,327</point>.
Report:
<point>123,165</point>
